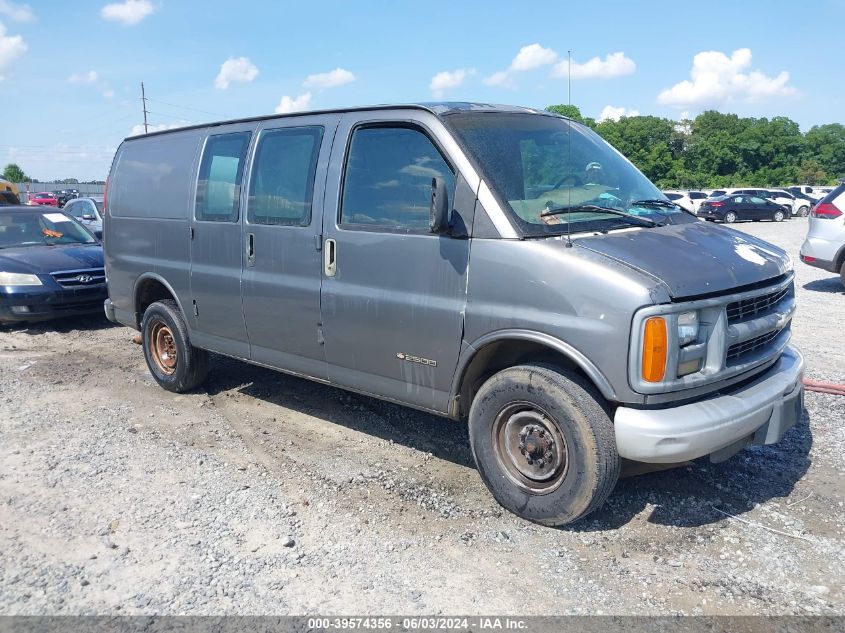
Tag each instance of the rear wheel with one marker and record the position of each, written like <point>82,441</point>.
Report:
<point>544,443</point>
<point>175,364</point>
<point>778,216</point>
<point>804,211</point>
<point>730,217</point>
<point>842,274</point>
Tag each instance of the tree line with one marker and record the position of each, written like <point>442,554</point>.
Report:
<point>716,150</point>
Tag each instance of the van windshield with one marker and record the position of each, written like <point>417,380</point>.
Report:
<point>537,163</point>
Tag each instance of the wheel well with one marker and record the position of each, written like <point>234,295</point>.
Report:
<point>499,355</point>
<point>148,292</point>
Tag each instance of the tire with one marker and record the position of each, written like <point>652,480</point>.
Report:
<point>730,217</point>
<point>778,216</point>
<point>804,212</point>
<point>175,364</point>
<point>508,414</point>
<point>842,274</point>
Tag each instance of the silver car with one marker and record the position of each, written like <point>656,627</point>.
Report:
<point>825,244</point>
<point>497,265</point>
<point>89,212</point>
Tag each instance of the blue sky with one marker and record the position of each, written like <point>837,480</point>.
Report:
<point>71,71</point>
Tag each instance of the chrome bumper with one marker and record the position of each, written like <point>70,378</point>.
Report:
<point>759,412</point>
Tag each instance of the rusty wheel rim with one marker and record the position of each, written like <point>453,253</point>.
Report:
<point>530,447</point>
<point>163,348</point>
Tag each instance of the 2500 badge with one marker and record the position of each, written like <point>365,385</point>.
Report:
<point>416,359</point>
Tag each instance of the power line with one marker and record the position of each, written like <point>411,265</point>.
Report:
<point>173,105</point>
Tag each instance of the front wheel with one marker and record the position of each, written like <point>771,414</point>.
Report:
<point>175,364</point>
<point>778,216</point>
<point>730,217</point>
<point>544,443</point>
<point>804,212</point>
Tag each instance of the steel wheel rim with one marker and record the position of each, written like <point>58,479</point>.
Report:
<point>162,348</point>
<point>530,448</point>
<point>779,216</point>
<point>730,217</point>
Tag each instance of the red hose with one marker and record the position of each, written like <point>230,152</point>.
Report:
<point>820,386</point>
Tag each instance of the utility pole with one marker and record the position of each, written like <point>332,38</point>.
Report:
<point>144,106</point>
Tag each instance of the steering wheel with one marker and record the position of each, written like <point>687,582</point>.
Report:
<point>573,179</point>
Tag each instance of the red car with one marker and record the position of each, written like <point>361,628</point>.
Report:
<point>45,198</point>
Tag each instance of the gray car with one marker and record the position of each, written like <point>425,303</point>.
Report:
<point>494,264</point>
<point>89,212</point>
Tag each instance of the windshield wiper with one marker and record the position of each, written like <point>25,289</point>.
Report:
<point>656,202</point>
<point>599,209</point>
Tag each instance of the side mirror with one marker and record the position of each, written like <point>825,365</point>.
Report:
<point>438,210</point>
<point>87,216</point>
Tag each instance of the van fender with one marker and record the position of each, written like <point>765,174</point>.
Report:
<point>156,277</point>
<point>562,347</point>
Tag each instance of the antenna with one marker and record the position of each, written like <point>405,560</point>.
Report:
<point>569,143</point>
<point>144,107</point>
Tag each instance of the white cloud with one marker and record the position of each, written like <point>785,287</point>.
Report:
<point>235,69</point>
<point>85,78</point>
<point>16,12</point>
<point>613,113</point>
<point>528,58</point>
<point>139,129</point>
<point>716,79</point>
<point>108,93</point>
<point>11,47</point>
<point>613,65</point>
<point>127,13</point>
<point>331,79</point>
<point>446,80</point>
<point>294,104</point>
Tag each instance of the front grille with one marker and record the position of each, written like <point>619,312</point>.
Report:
<point>80,278</point>
<point>738,349</point>
<point>755,306</point>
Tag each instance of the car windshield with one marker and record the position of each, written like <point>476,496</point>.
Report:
<point>541,164</point>
<point>99,204</point>
<point>39,229</point>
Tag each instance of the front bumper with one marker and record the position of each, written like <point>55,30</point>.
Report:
<point>758,412</point>
<point>45,303</point>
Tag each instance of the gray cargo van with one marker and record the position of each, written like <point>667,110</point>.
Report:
<point>494,264</point>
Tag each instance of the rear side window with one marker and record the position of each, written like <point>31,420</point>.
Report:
<point>388,178</point>
<point>674,196</point>
<point>697,195</point>
<point>221,171</point>
<point>282,185</point>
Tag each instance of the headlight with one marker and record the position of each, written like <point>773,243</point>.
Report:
<point>19,279</point>
<point>687,327</point>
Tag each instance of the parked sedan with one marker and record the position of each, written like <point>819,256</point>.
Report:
<point>89,212</point>
<point>50,266</point>
<point>825,244</point>
<point>44,198</point>
<point>735,207</point>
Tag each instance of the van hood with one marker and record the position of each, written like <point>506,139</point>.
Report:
<point>693,259</point>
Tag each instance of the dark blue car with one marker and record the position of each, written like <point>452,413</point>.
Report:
<point>50,266</point>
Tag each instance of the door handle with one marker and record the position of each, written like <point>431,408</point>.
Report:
<point>330,258</point>
<point>250,249</point>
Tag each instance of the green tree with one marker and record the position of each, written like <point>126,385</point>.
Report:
<point>825,144</point>
<point>571,111</point>
<point>812,173</point>
<point>13,173</point>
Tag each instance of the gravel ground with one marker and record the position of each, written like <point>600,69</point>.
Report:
<point>266,494</point>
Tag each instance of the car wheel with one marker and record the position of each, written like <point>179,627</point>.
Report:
<point>730,217</point>
<point>778,216</point>
<point>175,364</point>
<point>543,442</point>
<point>842,274</point>
<point>804,212</point>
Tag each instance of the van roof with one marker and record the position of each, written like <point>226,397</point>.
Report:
<point>438,108</point>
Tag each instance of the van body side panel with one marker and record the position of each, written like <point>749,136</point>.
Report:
<point>217,251</point>
<point>150,196</point>
<point>393,312</point>
<point>281,281</point>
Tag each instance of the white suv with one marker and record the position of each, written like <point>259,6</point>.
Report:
<point>825,244</point>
